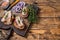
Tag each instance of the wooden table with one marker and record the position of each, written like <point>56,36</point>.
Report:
<point>48,24</point>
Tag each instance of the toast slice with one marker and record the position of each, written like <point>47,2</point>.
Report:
<point>18,23</point>
<point>7,18</point>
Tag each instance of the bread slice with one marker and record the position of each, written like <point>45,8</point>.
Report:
<point>7,18</point>
<point>18,23</point>
<point>24,13</point>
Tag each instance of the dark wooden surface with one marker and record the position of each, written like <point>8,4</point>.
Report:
<point>48,24</point>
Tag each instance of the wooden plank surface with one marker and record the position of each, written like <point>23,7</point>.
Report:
<point>48,24</point>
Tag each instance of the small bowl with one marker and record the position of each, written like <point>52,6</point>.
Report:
<point>5,5</point>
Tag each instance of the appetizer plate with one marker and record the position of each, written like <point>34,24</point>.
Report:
<point>18,31</point>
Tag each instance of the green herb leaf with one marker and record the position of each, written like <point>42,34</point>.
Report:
<point>19,21</point>
<point>6,16</point>
<point>32,14</point>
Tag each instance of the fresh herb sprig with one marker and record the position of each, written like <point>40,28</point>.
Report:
<point>19,21</point>
<point>32,14</point>
<point>6,16</point>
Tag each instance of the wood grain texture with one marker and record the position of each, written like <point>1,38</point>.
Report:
<point>48,24</point>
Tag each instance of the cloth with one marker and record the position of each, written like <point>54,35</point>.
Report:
<point>18,7</point>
